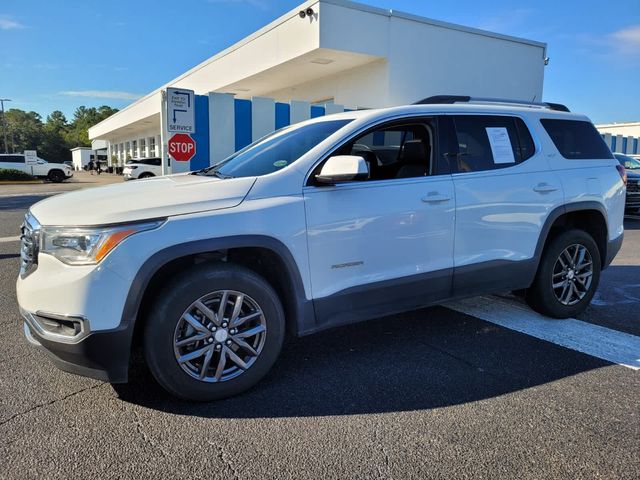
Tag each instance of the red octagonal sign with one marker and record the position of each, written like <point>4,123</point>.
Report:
<point>182,148</point>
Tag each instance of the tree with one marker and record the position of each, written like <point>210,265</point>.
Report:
<point>24,130</point>
<point>53,146</point>
<point>83,119</point>
<point>53,138</point>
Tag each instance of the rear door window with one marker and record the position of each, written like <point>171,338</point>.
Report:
<point>489,142</point>
<point>576,139</point>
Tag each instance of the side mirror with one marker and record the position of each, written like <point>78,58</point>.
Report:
<point>343,168</point>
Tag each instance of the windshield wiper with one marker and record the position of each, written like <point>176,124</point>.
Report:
<point>208,171</point>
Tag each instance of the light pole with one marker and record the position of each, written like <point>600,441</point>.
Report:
<point>4,123</point>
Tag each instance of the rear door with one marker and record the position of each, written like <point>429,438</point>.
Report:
<point>504,192</point>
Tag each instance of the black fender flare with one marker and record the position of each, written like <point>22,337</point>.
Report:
<point>304,321</point>
<point>557,213</point>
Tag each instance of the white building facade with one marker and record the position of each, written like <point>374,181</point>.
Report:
<point>341,55</point>
<point>622,137</point>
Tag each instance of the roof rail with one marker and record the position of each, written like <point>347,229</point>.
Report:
<point>450,99</point>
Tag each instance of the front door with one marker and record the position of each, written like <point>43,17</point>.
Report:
<point>384,244</point>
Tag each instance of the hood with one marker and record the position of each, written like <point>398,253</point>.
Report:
<point>142,199</point>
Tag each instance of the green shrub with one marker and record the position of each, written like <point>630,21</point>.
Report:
<point>15,175</point>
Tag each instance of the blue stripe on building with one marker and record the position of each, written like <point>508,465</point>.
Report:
<point>317,111</point>
<point>283,115</point>
<point>201,137</point>
<point>624,144</point>
<point>613,143</point>
<point>242,123</point>
<point>635,146</point>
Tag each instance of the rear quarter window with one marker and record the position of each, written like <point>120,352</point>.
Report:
<point>576,139</point>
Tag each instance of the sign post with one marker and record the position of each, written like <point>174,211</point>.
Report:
<point>181,116</point>
<point>31,158</point>
<point>178,118</point>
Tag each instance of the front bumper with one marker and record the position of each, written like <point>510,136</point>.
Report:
<point>632,201</point>
<point>101,355</point>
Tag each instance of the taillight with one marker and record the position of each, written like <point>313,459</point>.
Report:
<point>623,173</point>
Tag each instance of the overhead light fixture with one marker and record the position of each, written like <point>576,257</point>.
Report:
<point>322,61</point>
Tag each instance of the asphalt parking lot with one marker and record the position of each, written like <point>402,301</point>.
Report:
<point>434,393</point>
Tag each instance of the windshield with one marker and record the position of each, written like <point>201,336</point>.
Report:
<point>275,151</point>
<point>628,162</point>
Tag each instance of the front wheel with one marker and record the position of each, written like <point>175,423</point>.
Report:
<point>567,277</point>
<point>213,332</point>
<point>146,175</point>
<point>56,176</point>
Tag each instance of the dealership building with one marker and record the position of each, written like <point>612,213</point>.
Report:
<point>622,137</point>
<point>323,57</point>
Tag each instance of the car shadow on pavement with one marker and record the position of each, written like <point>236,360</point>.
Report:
<point>425,359</point>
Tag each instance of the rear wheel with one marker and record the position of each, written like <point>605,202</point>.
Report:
<point>213,332</point>
<point>56,176</point>
<point>567,277</point>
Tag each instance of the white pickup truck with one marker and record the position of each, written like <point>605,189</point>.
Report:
<point>56,172</point>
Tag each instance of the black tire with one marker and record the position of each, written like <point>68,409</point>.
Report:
<point>56,176</point>
<point>541,296</point>
<point>146,175</point>
<point>176,297</point>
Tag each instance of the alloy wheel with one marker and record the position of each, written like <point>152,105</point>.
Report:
<point>572,274</point>
<point>219,336</point>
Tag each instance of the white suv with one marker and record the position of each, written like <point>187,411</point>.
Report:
<point>331,221</point>
<point>55,172</point>
<point>142,168</point>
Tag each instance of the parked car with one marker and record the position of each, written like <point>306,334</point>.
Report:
<point>632,166</point>
<point>142,168</point>
<point>56,172</point>
<point>330,221</point>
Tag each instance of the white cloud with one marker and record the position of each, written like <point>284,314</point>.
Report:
<point>8,23</point>
<point>102,94</point>
<point>626,40</point>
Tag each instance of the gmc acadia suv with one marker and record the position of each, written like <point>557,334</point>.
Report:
<point>331,221</point>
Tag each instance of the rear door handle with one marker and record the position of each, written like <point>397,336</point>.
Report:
<point>544,188</point>
<point>435,197</point>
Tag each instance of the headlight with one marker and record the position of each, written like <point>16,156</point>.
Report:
<point>87,246</point>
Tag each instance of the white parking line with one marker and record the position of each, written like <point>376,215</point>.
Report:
<point>9,239</point>
<point>605,343</point>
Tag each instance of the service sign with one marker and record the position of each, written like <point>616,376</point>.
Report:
<point>180,111</point>
<point>30,157</point>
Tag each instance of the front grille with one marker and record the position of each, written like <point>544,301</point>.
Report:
<point>29,242</point>
<point>633,186</point>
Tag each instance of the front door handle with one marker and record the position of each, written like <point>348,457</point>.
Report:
<point>435,197</point>
<point>544,188</point>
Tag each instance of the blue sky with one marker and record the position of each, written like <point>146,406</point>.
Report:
<point>65,53</point>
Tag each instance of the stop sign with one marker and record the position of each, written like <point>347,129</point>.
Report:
<point>181,147</point>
